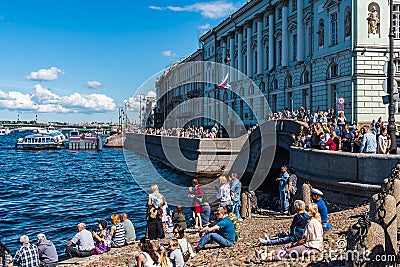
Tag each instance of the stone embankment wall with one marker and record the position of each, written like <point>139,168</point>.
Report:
<point>346,178</point>
<point>195,157</point>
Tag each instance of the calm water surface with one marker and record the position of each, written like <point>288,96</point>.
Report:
<point>52,191</point>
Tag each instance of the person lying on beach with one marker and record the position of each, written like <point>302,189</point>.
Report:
<point>297,227</point>
<point>311,244</point>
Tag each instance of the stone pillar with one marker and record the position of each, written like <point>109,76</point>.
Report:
<point>395,194</point>
<point>231,55</point>
<point>389,219</point>
<point>249,51</point>
<point>271,41</point>
<point>240,54</point>
<point>285,36</point>
<point>306,190</point>
<point>260,60</point>
<point>300,31</point>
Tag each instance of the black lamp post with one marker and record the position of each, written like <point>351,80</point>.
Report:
<point>391,120</point>
<point>227,60</point>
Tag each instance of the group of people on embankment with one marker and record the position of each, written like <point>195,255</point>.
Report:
<point>223,228</point>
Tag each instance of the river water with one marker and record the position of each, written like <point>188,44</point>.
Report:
<point>52,191</point>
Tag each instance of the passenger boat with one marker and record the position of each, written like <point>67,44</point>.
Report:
<point>45,139</point>
<point>5,131</point>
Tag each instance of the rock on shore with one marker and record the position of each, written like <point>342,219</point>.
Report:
<point>243,252</point>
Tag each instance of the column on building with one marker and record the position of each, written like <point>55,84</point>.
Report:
<point>300,31</point>
<point>285,35</point>
<point>224,45</point>
<point>231,55</point>
<point>240,47</point>
<point>260,59</point>
<point>249,51</point>
<point>271,39</point>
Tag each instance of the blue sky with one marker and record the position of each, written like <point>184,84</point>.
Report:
<point>78,60</point>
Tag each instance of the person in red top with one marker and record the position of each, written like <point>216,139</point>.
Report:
<point>197,194</point>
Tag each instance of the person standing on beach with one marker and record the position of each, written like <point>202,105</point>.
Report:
<point>283,180</point>
<point>27,255</point>
<point>236,188</point>
<point>197,194</point>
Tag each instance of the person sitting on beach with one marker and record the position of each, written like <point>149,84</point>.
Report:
<point>6,260</point>
<point>117,232</point>
<point>148,256</point>
<point>311,244</point>
<point>184,245</point>
<point>205,215</point>
<point>316,197</point>
<point>83,243</point>
<point>178,218</point>
<point>47,251</point>
<point>102,238</point>
<point>235,220</point>
<point>297,227</point>
<point>27,255</point>
<point>222,233</point>
<point>175,254</point>
<point>130,234</point>
<point>254,202</point>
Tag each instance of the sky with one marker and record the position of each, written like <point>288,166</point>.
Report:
<point>79,60</point>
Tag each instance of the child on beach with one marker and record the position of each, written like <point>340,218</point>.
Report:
<point>175,254</point>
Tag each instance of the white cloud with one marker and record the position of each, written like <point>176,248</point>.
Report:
<point>204,26</point>
<point>168,53</point>
<point>93,84</point>
<point>43,100</point>
<point>156,7</point>
<point>45,74</point>
<point>213,10</point>
<point>134,102</point>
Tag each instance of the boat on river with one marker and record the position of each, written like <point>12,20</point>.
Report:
<point>44,139</point>
<point>5,131</point>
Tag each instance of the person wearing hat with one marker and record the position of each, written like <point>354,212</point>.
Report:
<point>316,196</point>
<point>47,251</point>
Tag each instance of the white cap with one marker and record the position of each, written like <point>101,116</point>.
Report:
<point>316,192</point>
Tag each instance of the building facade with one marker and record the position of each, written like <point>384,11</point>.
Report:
<point>179,91</point>
<point>301,53</point>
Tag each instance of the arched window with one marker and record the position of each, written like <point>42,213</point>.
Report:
<point>333,70</point>
<point>262,87</point>
<point>274,84</point>
<point>251,89</point>
<point>288,81</point>
<point>305,77</point>
<point>241,92</point>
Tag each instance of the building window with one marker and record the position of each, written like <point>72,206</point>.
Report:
<point>321,30</point>
<point>255,61</point>
<point>266,56</point>
<point>305,77</point>
<point>251,109</point>
<point>334,29</point>
<point>288,81</point>
<point>294,42</point>
<point>333,96</point>
<point>396,20</point>
<point>347,23</point>
<point>290,98</point>
<point>262,87</point>
<point>241,109</point>
<point>279,51</point>
<point>274,99</point>
<point>274,84</point>
<point>334,70</point>
<point>294,5</point>
<point>304,98</point>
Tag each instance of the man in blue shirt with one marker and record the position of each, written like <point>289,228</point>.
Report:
<point>236,187</point>
<point>283,190</point>
<point>316,196</point>
<point>222,233</point>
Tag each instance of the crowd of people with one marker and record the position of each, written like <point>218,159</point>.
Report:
<point>304,235</point>
<point>325,130</point>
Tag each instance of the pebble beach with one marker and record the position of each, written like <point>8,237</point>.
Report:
<point>243,252</point>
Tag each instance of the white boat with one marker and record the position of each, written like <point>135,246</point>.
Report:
<point>46,139</point>
<point>5,131</point>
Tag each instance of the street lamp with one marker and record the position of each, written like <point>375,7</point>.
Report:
<point>140,110</point>
<point>391,120</point>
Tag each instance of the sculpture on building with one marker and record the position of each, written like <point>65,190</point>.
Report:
<point>347,24</point>
<point>373,19</point>
<point>321,33</point>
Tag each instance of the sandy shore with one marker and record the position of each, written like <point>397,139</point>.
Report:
<point>243,252</point>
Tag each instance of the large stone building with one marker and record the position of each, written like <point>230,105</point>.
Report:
<point>179,90</point>
<point>306,53</point>
<point>297,53</point>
